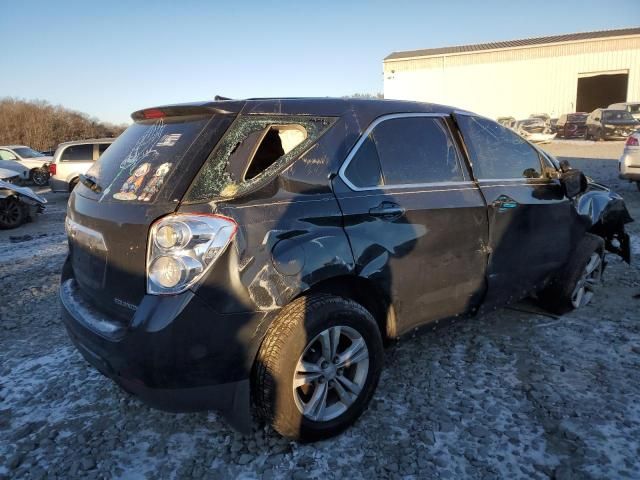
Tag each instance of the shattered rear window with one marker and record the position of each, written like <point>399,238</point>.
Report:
<point>255,148</point>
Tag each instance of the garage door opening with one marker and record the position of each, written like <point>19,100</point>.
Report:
<point>598,91</point>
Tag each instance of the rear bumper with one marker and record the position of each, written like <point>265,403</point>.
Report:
<point>629,166</point>
<point>177,354</point>
<point>58,185</point>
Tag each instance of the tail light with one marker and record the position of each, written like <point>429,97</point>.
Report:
<point>182,248</point>
<point>52,169</point>
<point>632,141</point>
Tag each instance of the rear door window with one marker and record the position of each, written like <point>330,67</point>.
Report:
<point>7,155</point>
<point>497,152</point>
<point>78,153</point>
<point>405,151</point>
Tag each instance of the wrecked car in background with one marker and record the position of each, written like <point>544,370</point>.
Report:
<point>266,249</point>
<point>572,125</point>
<point>509,122</point>
<point>36,162</point>
<point>535,130</point>
<point>18,205</point>
<point>605,124</point>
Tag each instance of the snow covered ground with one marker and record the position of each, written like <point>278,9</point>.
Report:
<point>515,394</point>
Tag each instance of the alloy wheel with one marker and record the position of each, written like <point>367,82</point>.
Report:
<point>40,177</point>
<point>330,373</point>
<point>10,214</point>
<point>588,281</point>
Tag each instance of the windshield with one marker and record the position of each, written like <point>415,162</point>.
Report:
<point>579,117</point>
<point>144,160</point>
<point>26,152</point>
<point>617,115</point>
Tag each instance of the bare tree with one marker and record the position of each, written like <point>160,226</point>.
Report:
<point>43,126</point>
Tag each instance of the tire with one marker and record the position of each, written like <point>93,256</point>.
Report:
<point>12,213</point>
<point>584,270</point>
<point>600,136</point>
<point>72,184</point>
<point>294,336</point>
<point>39,177</point>
<point>586,134</point>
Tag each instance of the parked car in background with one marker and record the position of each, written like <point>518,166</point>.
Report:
<point>73,159</point>
<point>571,125</point>
<point>17,168</point>
<point>629,163</point>
<point>222,252</point>
<point>10,176</point>
<point>632,107</point>
<point>535,129</point>
<point>18,205</point>
<point>36,162</point>
<point>603,124</point>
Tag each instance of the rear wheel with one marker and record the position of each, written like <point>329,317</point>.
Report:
<point>576,284</point>
<point>39,176</point>
<point>12,213</point>
<point>318,367</point>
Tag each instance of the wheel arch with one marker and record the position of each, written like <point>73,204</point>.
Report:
<point>365,292</point>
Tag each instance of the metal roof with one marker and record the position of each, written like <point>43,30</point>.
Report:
<point>525,42</point>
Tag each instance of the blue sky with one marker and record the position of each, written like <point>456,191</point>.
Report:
<point>110,58</point>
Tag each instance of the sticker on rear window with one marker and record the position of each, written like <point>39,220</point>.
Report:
<point>129,189</point>
<point>153,185</point>
<point>169,140</point>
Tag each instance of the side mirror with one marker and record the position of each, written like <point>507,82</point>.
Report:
<point>573,181</point>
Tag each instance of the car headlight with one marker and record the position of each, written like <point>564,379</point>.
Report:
<point>182,248</point>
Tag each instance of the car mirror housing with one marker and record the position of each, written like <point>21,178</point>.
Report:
<point>574,182</point>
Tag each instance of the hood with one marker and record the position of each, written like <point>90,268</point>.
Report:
<point>24,191</point>
<point>6,173</point>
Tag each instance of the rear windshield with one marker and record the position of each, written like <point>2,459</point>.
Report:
<point>634,108</point>
<point>254,149</point>
<point>139,165</point>
<point>577,118</point>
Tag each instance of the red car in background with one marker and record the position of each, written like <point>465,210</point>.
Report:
<point>572,125</point>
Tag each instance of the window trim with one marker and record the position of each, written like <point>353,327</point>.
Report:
<point>393,116</point>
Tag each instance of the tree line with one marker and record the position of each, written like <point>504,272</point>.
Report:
<point>43,126</point>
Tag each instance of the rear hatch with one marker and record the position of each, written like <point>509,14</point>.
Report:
<point>143,175</point>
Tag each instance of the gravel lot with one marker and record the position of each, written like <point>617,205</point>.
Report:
<point>516,394</point>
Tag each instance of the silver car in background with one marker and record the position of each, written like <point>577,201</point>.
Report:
<point>36,162</point>
<point>73,159</point>
<point>629,163</point>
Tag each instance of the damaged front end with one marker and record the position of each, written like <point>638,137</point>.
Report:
<point>18,205</point>
<point>608,215</point>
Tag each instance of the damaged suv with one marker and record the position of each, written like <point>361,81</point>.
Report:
<point>231,253</point>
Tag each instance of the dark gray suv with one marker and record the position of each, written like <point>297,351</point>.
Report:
<point>262,251</point>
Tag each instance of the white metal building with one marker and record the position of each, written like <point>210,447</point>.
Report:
<point>553,75</point>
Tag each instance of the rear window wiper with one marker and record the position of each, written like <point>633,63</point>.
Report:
<point>90,183</point>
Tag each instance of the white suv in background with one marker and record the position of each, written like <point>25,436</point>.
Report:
<point>34,161</point>
<point>72,159</point>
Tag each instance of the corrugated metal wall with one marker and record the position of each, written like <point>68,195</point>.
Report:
<point>514,82</point>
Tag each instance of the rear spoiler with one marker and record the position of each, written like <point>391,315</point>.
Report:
<point>210,108</point>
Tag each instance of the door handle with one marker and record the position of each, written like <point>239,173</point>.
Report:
<point>387,211</point>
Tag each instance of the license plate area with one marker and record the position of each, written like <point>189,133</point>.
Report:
<point>89,255</point>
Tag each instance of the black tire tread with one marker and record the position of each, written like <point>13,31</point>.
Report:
<point>275,342</point>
